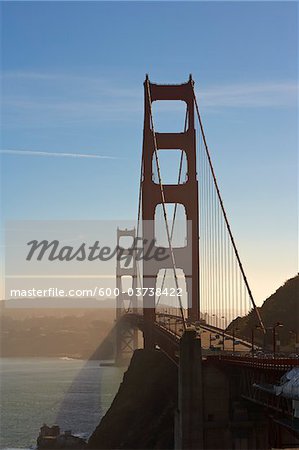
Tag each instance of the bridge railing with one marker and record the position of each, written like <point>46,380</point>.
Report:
<point>283,364</point>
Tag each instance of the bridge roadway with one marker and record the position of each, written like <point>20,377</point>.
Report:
<point>168,331</point>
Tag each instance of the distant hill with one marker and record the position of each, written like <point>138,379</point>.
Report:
<point>76,333</point>
<point>51,304</point>
<point>283,307</point>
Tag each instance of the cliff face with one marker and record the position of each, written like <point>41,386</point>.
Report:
<point>142,413</point>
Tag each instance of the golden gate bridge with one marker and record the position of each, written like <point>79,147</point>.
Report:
<point>203,265</point>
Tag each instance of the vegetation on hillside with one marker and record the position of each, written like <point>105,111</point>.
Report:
<point>282,307</point>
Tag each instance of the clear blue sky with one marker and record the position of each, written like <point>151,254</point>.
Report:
<point>72,83</point>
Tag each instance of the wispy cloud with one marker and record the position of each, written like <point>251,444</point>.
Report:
<point>47,99</point>
<point>56,154</point>
<point>50,99</point>
<point>250,95</point>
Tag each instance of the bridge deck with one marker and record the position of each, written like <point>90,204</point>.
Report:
<point>168,331</point>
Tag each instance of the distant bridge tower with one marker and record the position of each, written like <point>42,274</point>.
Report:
<point>185,194</point>
<point>126,335</point>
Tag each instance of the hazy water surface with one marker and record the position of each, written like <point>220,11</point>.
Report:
<point>75,394</point>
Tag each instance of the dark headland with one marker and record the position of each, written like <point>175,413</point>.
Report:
<point>142,413</point>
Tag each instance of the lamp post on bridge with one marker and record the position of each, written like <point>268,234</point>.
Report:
<point>257,327</point>
<point>223,340</point>
<point>234,335</point>
<point>165,314</point>
<point>224,328</point>
<point>224,321</point>
<point>295,333</point>
<point>277,325</point>
<point>216,320</point>
<point>168,321</point>
<point>176,323</point>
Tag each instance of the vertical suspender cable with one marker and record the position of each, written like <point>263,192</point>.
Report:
<point>225,217</point>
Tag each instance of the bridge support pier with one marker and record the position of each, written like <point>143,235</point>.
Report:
<point>189,421</point>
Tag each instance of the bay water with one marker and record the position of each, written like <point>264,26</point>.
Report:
<point>73,394</point>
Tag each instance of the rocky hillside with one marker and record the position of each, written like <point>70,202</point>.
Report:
<point>283,307</point>
<point>142,413</point>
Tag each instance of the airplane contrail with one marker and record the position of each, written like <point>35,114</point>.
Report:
<point>57,154</point>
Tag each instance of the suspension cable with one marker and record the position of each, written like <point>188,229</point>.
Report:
<point>139,213</point>
<point>225,215</point>
<point>163,204</point>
